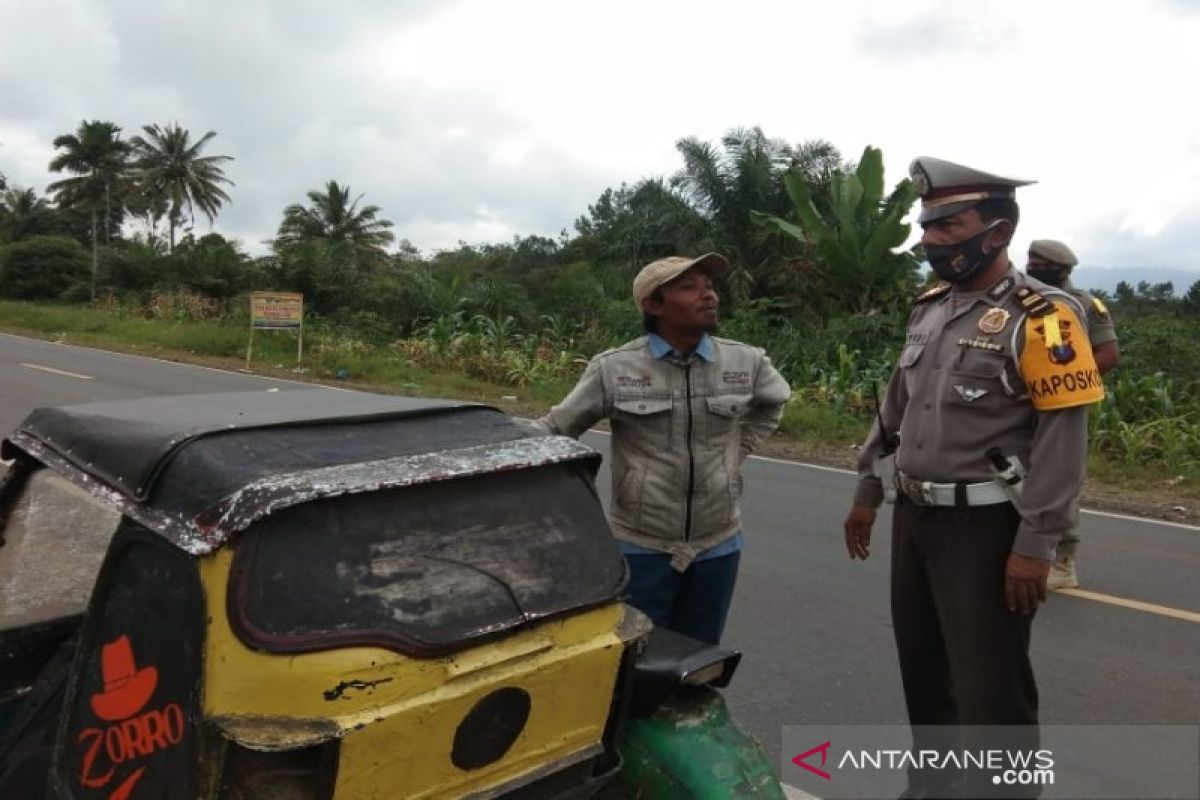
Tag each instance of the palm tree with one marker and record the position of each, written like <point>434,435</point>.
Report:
<point>631,225</point>
<point>22,214</point>
<point>332,217</point>
<point>173,175</point>
<point>745,174</point>
<point>99,160</point>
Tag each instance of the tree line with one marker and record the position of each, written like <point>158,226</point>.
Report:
<point>740,196</point>
<point>815,241</point>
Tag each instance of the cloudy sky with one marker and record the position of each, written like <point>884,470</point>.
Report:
<point>476,120</point>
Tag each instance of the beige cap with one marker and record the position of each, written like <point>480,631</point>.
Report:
<point>665,270</point>
<point>947,188</point>
<point>1053,250</point>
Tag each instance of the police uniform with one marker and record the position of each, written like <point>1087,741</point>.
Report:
<point>1101,330</point>
<point>1100,326</point>
<point>1006,370</point>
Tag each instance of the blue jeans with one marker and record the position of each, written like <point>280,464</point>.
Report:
<point>694,602</point>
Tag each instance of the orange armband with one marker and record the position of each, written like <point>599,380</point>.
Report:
<point>1057,364</point>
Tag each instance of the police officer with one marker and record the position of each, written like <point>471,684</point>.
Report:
<point>1051,263</point>
<point>995,377</point>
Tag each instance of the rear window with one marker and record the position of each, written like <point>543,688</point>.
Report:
<point>425,570</point>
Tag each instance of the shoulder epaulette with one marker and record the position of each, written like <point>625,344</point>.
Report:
<point>1100,307</point>
<point>1034,304</point>
<point>937,290</point>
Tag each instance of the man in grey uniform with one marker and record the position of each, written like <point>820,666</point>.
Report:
<point>995,375</point>
<point>1051,263</point>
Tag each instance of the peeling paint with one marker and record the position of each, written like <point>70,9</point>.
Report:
<point>268,495</point>
<point>274,733</point>
<point>339,692</point>
<point>209,530</point>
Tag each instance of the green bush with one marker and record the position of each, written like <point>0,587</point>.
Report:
<point>42,268</point>
<point>1159,343</point>
<point>211,266</point>
<point>131,270</point>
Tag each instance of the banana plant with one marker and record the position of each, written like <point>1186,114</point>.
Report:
<point>854,243</point>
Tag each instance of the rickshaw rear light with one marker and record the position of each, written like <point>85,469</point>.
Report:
<point>303,774</point>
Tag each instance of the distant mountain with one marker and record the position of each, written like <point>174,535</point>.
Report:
<point>1107,278</point>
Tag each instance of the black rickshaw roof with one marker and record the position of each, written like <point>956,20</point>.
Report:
<point>199,467</point>
<point>128,443</point>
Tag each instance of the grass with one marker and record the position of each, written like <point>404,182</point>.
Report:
<point>822,424</point>
<point>809,430</point>
<point>223,344</point>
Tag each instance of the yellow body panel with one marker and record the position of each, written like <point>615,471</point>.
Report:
<point>397,716</point>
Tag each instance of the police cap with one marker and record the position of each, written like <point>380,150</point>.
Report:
<point>947,188</point>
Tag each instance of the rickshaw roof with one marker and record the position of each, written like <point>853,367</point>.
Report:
<point>197,467</point>
<point>129,443</point>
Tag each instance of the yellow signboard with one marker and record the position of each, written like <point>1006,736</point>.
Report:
<point>275,310</point>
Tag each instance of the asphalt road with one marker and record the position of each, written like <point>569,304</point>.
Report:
<point>814,626</point>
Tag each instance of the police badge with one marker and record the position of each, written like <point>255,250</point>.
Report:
<point>993,321</point>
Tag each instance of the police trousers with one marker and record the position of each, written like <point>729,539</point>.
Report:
<point>964,657</point>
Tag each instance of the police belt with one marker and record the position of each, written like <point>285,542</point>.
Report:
<point>927,493</point>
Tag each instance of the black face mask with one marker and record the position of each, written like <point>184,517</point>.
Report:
<point>1051,275</point>
<point>962,261</point>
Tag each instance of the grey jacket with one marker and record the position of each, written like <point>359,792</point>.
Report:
<point>681,429</point>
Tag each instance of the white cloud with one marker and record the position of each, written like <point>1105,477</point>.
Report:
<point>478,120</point>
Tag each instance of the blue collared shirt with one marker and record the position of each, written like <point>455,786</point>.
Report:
<point>660,348</point>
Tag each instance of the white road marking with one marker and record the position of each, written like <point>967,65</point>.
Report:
<point>57,371</point>
<point>821,467</point>
<point>768,459</point>
<point>1130,518</point>
<point>1136,605</point>
<point>183,364</point>
<point>1110,514</point>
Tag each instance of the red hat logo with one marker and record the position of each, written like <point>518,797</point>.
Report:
<point>126,688</point>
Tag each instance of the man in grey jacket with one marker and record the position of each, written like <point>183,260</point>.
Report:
<point>686,409</point>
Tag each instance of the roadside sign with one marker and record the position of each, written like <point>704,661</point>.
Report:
<point>277,311</point>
